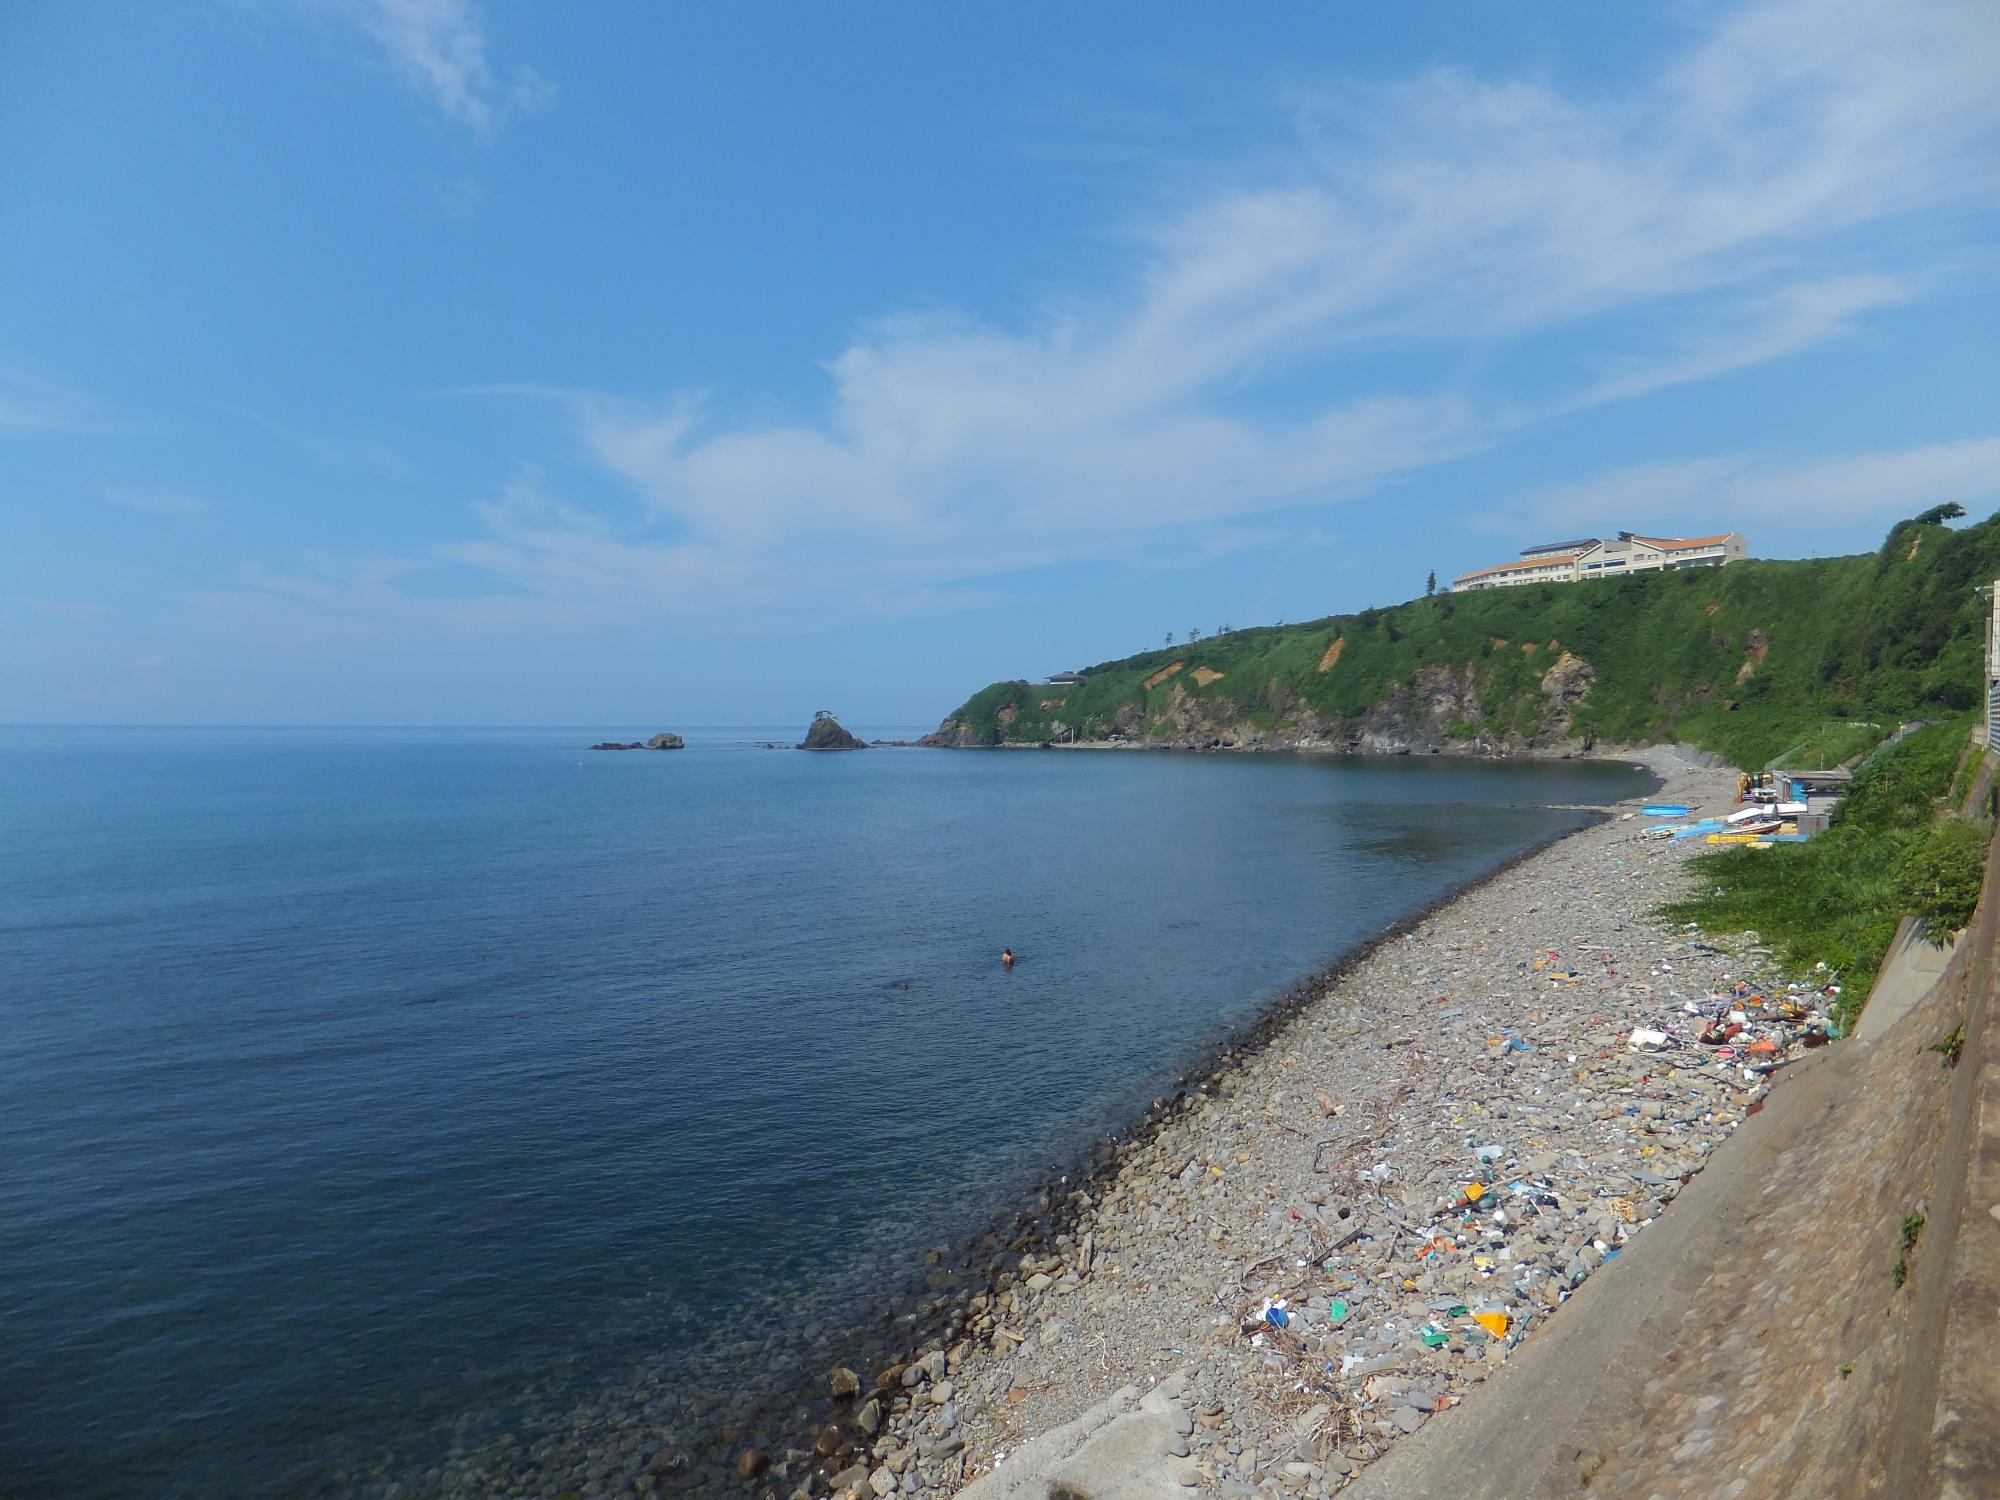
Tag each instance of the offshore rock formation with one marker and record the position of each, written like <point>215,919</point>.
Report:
<point>657,742</point>
<point>826,734</point>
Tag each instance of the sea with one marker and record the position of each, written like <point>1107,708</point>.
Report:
<point>369,1097</point>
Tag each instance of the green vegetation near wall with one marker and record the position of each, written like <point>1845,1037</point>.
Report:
<point>1833,745</point>
<point>1837,899</point>
<point>1744,660</point>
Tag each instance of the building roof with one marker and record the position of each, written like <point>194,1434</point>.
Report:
<point>1675,543</point>
<point>1570,547</point>
<point>1531,562</point>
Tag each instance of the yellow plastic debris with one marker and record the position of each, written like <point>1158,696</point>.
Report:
<point>1494,1323</point>
<point>1482,1262</point>
<point>1473,1192</point>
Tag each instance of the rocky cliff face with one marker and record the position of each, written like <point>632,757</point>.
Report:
<point>1424,716</point>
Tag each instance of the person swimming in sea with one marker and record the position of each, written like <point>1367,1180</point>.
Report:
<point>1006,958</point>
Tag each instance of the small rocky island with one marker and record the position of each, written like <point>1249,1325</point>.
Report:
<point>657,742</point>
<point>826,734</point>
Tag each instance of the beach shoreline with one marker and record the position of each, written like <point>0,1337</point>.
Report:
<point>1032,1354</point>
<point>947,1328</point>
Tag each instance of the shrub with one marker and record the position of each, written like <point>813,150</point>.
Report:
<point>1941,882</point>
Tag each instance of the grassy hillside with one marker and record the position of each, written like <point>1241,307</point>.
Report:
<point>1745,660</point>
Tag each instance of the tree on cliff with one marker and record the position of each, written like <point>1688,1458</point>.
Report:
<point>1431,583</point>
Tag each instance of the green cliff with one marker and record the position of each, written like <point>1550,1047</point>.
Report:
<point>1743,660</point>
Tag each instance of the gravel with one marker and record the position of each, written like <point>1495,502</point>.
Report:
<point>1347,1232</point>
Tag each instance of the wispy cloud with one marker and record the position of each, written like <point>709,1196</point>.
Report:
<point>1752,491</point>
<point>34,401</point>
<point>326,448</point>
<point>65,609</point>
<point>1566,250</point>
<point>152,500</point>
<point>1701,219</point>
<point>1772,326</point>
<point>439,49</point>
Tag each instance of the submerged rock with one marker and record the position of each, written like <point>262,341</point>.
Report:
<point>826,734</point>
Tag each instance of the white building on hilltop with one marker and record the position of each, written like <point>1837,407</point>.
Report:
<point>1590,557</point>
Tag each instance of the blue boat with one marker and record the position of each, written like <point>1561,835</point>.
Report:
<point>1706,825</point>
<point>1665,810</point>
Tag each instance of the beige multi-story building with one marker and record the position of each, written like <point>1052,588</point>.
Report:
<point>1592,557</point>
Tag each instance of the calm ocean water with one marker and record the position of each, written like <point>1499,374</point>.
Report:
<point>363,1092</point>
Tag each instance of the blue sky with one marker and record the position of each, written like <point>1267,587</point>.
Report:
<point>442,362</point>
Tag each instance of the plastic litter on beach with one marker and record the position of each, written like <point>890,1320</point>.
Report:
<point>1528,1090</point>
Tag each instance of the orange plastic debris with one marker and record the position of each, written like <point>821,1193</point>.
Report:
<point>1494,1323</point>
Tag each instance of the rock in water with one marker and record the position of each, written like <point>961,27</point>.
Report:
<point>657,742</point>
<point>826,734</point>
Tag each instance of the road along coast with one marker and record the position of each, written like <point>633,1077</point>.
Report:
<point>1344,1232</point>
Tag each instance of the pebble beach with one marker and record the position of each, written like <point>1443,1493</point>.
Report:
<point>1337,1231</point>
<point>1344,1232</point>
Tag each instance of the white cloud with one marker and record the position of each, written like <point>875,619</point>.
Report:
<point>1753,492</point>
<point>1792,319</point>
<point>323,447</point>
<point>34,401</point>
<point>154,501</point>
<point>439,49</point>
<point>65,609</point>
<point>1535,252</point>
<point>1445,212</point>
